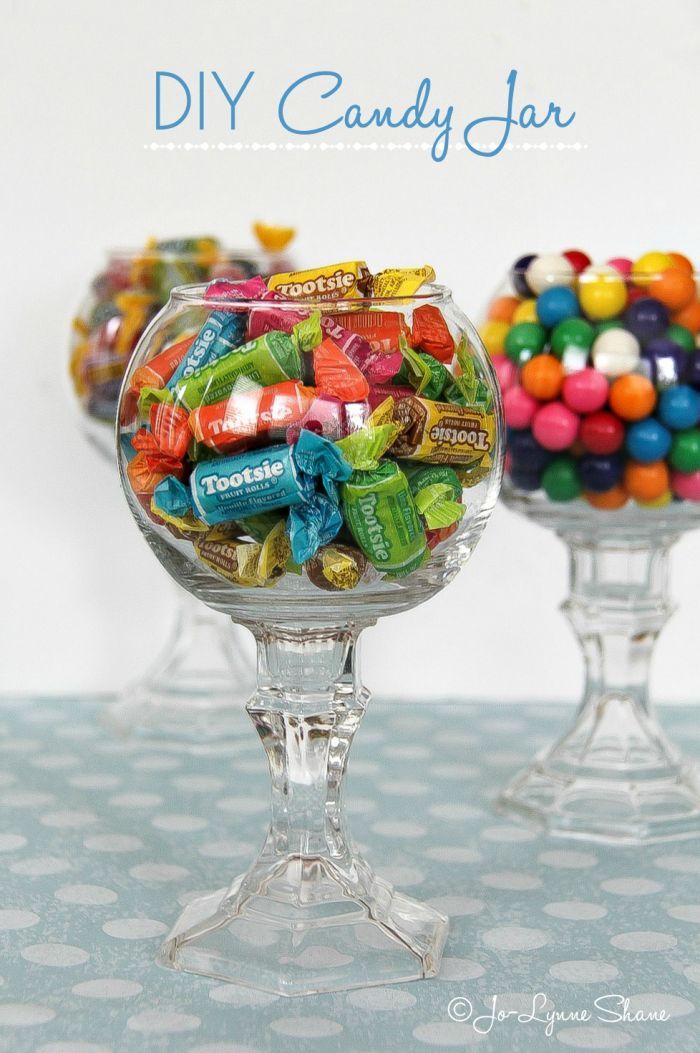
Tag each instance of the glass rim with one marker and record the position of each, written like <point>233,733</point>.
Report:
<point>193,296</point>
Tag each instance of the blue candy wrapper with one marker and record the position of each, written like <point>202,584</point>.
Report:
<point>312,524</point>
<point>222,331</point>
<point>172,497</point>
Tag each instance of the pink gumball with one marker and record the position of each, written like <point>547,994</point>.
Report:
<point>519,407</point>
<point>621,264</point>
<point>686,485</point>
<point>506,371</point>
<point>585,391</point>
<point>555,426</point>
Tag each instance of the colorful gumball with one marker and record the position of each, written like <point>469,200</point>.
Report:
<point>526,311</point>
<point>555,426</point>
<point>548,270</point>
<point>561,480</point>
<point>622,265</point>
<point>523,479</point>
<point>493,336</point>
<point>527,453</point>
<point>525,340</point>
<point>674,287</point>
<point>689,317</point>
<point>658,502</point>
<point>679,407</point>
<point>601,433</point>
<point>578,260</point>
<point>646,482</point>
<point>615,352</point>
<point>648,266</point>
<point>506,371</point>
<point>602,292</point>
<point>686,485</point>
<point>681,262</point>
<point>610,500</point>
<point>573,332</point>
<point>664,362</point>
<point>681,336</point>
<point>632,397</point>
<point>685,451</point>
<point>517,274</point>
<point>600,473</point>
<point>503,308</point>
<point>692,369</point>
<point>518,407</point>
<point>648,440</point>
<point>542,377</point>
<point>585,391</point>
<point>647,318</point>
<point>556,305</point>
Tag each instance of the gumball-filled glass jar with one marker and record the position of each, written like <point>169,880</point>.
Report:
<point>189,688</point>
<point>599,367</point>
<point>306,456</point>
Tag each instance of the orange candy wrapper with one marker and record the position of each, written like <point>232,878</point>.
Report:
<point>336,375</point>
<point>170,429</point>
<point>159,370</point>
<point>431,334</point>
<point>381,329</point>
<point>248,414</point>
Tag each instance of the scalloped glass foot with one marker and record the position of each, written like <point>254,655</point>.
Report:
<point>614,777</point>
<point>197,687</point>
<point>302,926</point>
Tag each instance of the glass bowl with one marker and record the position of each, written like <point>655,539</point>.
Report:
<point>601,384</point>
<point>301,485</point>
<point>187,692</point>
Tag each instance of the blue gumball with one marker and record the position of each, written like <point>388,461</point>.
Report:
<point>556,305</point>
<point>679,407</point>
<point>600,473</point>
<point>646,318</point>
<point>517,275</point>
<point>692,369</point>
<point>664,362</point>
<point>526,453</point>
<point>523,479</point>
<point>648,440</point>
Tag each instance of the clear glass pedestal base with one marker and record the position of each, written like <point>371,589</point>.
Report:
<point>309,915</point>
<point>614,776</point>
<point>197,685</point>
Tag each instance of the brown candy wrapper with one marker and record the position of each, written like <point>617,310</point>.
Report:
<point>246,562</point>
<point>336,568</point>
<point>443,433</point>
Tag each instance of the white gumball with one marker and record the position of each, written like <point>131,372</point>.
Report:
<point>549,270</point>
<point>616,352</point>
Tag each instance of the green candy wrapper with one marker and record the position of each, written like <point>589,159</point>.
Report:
<point>437,491</point>
<point>383,519</point>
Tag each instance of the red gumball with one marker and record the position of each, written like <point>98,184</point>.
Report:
<point>578,260</point>
<point>602,433</point>
<point>634,293</point>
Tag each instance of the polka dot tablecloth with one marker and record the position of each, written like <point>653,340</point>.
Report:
<point>101,844</point>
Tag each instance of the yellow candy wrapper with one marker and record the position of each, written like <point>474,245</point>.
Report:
<point>334,282</point>
<point>401,281</point>
<point>443,432</point>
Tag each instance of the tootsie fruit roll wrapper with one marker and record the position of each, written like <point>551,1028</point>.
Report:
<point>443,432</point>
<point>247,415</point>
<point>337,281</point>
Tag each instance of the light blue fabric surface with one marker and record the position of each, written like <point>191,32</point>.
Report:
<point>101,843</point>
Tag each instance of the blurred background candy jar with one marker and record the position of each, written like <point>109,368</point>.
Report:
<point>600,372</point>
<point>334,459</point>
<point>203,667</point>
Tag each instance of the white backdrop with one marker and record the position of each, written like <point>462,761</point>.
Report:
<point>85,603</point>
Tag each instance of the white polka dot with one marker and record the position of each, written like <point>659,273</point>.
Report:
<point>95,782</point>
<point>631,886</point>
<point>17,919</point>
<point>506,834</point>
<point>162,1023</point>
<point>512,880</point>
<point>593,1037</point>
<point>108,988</point>
<point>364,767</point>
<point>656,1001</point>
<point>455,738</point>
<point>27,799</point>
<point>185,898</point>
<point>679,864</point>
<point>157,762</point>
<point>113,843</point>
<point>403,788</point>
<point>6,777</point>
<point>55,954</point>
<point>226,849</point>
<point>158,872</point>
<point>395,828</point>
<point>460,969</point>
<point>86,895</point>
<point>408,752</point>
<point>134,928</point>
<point>453,854</point>
<point>442,1033</point>
<point>19,745</point>
<point>644,941</point>
<point>243,805</point>
<point>306,1027</point>
<point>67,820</point>
<point>583,972</point>
<point>11,842</point>
<point>360,806</point>
<point>454,813</point>
<point>457,906</point>
<point>381,999</point>
<point>317,958</point>
<point>179,824</point>
<point>223,1047</point>
<point>55,761</point>
<point>503,758</point>
<point>40,866</point>
<point>689,912</point>
<point>567,859</point>
<point>73,1047</point>
<point>575,910</point>
<point>515,938</point>
<point>199,783</point>
<point>455,771</point>
<point>692,972</point>
<point>402,876</point>
<point>135,800</point>
<point>24,1014</point>
<point>233,994</point>
<point>77,733</point>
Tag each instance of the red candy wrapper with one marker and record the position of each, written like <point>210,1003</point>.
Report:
<point>380,329</point>
<point>263,320</point>
<point>378,393</point>
<point>335,374</point>
<point>377,366</point>
<point>249,414</point>
<point>222,289</point>
<point>170,429</point>
<point>431,334</point>
<point>157,372</point>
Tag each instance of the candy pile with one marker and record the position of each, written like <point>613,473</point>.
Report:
<point>333,438</point>
<point>130,292</point>
<point>600,372</point>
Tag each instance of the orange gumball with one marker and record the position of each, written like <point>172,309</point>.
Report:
<point>503,308</point>
<point>542,377</point>
<point>610,499</point>
<point>674,287</point>
<point>632,396</point>
<point>681,262</point>
<point>646,482</point>
<point>689,317</point>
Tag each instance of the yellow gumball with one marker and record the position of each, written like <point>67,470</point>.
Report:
<point>494,336</point>
<point>602,292</point>
<point>525,312</point>
<point>649,265</point>
<point>658,502</point>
